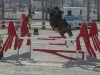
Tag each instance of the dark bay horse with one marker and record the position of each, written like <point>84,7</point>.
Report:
<point>56,21</point>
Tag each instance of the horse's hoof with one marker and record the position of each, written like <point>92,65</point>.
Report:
<point>72,42</point>
<point>66,46</point>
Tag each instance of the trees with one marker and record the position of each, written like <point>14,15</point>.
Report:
<point>98,10</point>
<point>2,9</point>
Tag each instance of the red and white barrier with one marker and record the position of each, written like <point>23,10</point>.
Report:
<point>83,33</point>
<point>55,52</point>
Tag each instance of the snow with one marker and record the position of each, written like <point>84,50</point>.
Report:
<point>41,63</point>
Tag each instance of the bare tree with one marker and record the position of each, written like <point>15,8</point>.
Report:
<point>10,4</point>
<point>2,9</point>
<point>88,10</point>
<point>43,9</point>
<point>43,15</point>
<point>98,10</point>
<point>46,7</point>
<point>72,3</point>
<point>3,22</point>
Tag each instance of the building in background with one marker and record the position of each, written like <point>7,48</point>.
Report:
<point>12,7</point>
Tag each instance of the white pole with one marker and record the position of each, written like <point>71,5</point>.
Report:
<point>18,54</point>
<point>77,53</point>
<point>43,37</point>
<point>30,43</point>
<point>17,47</point>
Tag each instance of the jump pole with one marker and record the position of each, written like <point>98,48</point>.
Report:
<point>49,39</point>
<point>51,36</point>
<point>30,43</point>
<point>30,47</point>
<point>46,38</point>
<point>55,43</point>
<point>17,47</point>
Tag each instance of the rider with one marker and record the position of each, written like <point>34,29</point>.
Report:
<point>56,11</point>
<point>59,12</point>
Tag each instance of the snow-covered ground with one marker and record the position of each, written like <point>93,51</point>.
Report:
<point>42,63</point>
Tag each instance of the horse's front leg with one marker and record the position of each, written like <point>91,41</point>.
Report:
<point>66,44</point>
<point>72,42</point>
<point>62,34</point>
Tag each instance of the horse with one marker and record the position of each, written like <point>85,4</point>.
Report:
<point>53,22</point>
<point>56,21</point>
